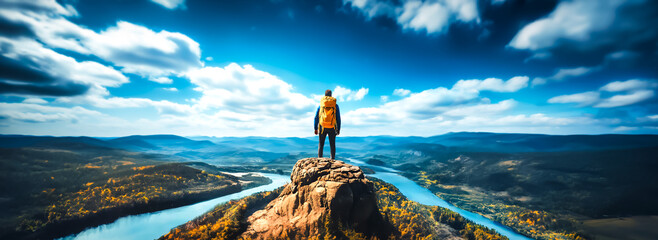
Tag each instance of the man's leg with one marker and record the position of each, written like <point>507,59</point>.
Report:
<point>323,135</point>
<point>332,142</point>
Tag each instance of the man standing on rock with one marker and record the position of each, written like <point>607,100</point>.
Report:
<point>327,122</point>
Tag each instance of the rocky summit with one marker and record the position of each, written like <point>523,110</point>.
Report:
<point>324,195</point>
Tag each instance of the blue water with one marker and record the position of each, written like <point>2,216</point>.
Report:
<point>153,225</point>
<point>419,194</point>
<point>415,192</point>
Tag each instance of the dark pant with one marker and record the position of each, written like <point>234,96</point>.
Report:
<point>332,141</point>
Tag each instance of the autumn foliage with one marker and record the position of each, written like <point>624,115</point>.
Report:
<point>226,221</point>
<point>416,221</point>
<point>56,192</point>
<point>408,220</point>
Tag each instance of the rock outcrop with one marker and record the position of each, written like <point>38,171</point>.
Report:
<point>323,197</point>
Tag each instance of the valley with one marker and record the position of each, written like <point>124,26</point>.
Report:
<point>542,186</point>
<point>52,191</point>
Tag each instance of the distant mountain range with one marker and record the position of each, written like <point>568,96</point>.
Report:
<point>268,148</point>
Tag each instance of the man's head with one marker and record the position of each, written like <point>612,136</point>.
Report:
<point>327,93</point>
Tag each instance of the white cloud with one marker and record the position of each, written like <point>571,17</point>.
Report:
<point>431,103</point>
<point>625,99</point>
<point>633,91</point>
<point>537,119</point>
<point>624,129</point>
<point>50,6</point>
<point>171,89</point>
<point>598,29</point>
<point>50,27</point>
<point>140,50</point>
<point>440,104</point>
<point>66,75</point>
<point>628,85</point>
<point>460,108</point>
<point>583,99</point>
<point>373,8</point>
<point>27,112</point>
<point>493,84</point>
<point>170,4</point>
<point>421,15</point>
<point>248,90</point>
<point>622,55</point>
<point>401,92</point>
<point>235,100</point>
<point>480,117</point>
<point>571,20</point>
<point>487,109</point>
<point>134,48</point>
<point>162,80</point>
<point>163,106</point>
<point>383,98</point>
<point>563,74</point>
<point>346,94</point>
<point>429,16</point>
<point>33,100</point>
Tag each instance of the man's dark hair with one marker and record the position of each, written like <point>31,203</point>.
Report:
<point>327,93</point>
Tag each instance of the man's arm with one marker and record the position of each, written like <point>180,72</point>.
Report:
<point>337,119</point>
<point>315,125</point>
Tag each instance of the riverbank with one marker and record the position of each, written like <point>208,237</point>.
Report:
<point>155,224</point>
<point>51,192</point>
<point>417,193</point>
<point>75,225</point>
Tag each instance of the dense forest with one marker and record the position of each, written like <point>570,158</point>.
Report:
<point>545,195</point>
<point>52,192</point>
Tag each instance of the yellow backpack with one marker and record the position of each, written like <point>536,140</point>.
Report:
<point>327,112</point>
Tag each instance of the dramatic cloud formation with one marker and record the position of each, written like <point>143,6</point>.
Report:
<point>107,71</point>
<point>142,51</point>
<point>246,90</point>
<point>133,48</point>
<point>421,15</point>
<point>592,27</point>
<point>31,69</point>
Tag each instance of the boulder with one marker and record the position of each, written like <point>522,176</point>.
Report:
<point>324,196</point>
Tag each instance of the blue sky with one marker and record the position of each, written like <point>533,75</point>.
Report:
<point>257,68</point>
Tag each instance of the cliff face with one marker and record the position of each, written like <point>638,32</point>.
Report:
<point>324,195</point>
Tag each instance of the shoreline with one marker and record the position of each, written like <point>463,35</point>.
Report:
<point>74,226</point>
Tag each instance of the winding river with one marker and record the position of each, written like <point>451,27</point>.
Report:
<point>422,195</point>
<point>156,224</point>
